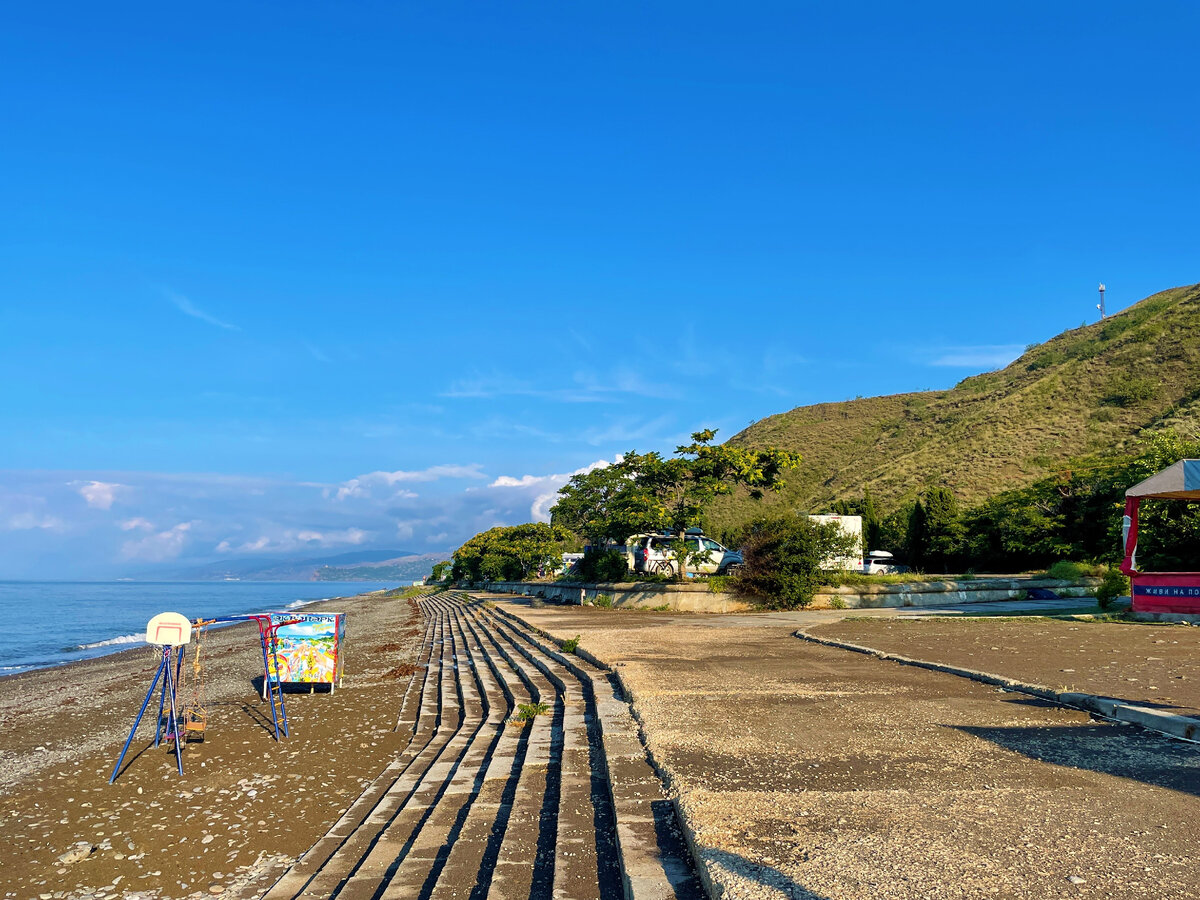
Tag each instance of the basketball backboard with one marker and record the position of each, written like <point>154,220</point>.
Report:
<point>169,628</point>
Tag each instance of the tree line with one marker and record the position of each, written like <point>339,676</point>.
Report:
<point>1073,515</point>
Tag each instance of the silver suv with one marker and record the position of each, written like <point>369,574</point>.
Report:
<point>651,553</point>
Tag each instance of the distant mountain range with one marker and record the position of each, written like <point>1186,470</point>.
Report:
<point>362,565</point>
<point>1092,390</point>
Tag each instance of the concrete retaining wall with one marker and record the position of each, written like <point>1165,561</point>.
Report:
<point>942,593</point>
<point>645,595</point>
<point>696,596</point>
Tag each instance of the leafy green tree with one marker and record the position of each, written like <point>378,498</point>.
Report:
<point>510,553</point>
<point>645,492</point>
<point>606,504</point>
<point>441,570</point>
<point>682,487</point>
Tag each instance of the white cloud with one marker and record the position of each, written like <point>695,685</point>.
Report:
<point>99,494</point>
<point>543,489</point>
<point>158,547</point>
<point>363,485</point>
<point>137,524</point>
<point>29,521</point>
<point>185,306</point>
<point>296,539</point>
<point>983,356</point>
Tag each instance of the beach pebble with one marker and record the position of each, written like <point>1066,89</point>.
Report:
<point>207,839</point>
<point>216,888</point>
<point>1075,879</point>
<point>77,852</point>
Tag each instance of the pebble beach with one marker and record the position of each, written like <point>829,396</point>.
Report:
<point>246,805</point>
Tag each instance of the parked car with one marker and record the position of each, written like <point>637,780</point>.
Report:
<point>880,562</point>
<point>651,553</point>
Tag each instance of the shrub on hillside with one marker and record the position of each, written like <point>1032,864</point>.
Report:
<point>783,557</point>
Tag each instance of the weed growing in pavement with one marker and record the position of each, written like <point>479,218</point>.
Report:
<point>526,711</point>
<point>571,645</point>
<point>837,603</point>
<point>604,601</point>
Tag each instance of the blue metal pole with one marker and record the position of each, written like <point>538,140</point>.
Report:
<point>162,703</point>
<point>174,720</point>
<point>129,740</point>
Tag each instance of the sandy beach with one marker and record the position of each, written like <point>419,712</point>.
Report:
<point>246,805</point>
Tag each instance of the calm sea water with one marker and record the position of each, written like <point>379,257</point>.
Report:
<point>51,623</point>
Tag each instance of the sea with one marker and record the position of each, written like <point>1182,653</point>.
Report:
<point>45,624</point>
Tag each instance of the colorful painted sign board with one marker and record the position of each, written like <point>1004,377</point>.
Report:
<point>310,648</point>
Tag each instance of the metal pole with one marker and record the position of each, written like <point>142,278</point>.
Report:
<point>173,720</point>
<point>1102,313</point>
<point>267,678</point>
<point>159,727</point>
<point>129,740</point>
<point>278,680</point>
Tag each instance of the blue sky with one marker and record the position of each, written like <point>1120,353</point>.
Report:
<point>250,256</point>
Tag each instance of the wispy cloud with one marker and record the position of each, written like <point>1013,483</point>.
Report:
<point>586,386</point>
<point>188,308</point>
<point>317,353</point>
<point>296,539</point>
<point>631,431</point>
<point>363,485</point>
<point>160,546</point>
<point>981,356</point>
<point>29,521</point>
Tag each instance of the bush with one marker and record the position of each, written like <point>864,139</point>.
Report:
<point>571,645</point>
<point>1065,570</point>
<point>604,601</point>
<point>601,566</point>
<point>1126,392</point>
<point>720,584</point>
<point>783,560</point>
<point>1112,585</point>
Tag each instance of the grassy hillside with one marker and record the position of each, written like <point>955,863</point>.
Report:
<point>1090,390</point>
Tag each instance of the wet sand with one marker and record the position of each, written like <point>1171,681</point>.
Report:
<point>245,807</point>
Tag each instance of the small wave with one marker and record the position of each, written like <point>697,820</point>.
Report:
<point>299,603</point>
<point>123,639</point>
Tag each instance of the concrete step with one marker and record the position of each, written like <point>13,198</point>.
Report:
<point>473,806</point>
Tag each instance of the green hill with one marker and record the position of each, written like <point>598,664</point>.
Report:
<point>1094,389</point>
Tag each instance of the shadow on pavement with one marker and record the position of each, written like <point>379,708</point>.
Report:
<point>1124,751</point>
<point>759,873</point>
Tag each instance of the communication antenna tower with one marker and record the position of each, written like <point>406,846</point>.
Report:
<point>1100,305</point>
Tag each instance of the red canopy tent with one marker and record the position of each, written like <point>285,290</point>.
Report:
<point>1161,592</point>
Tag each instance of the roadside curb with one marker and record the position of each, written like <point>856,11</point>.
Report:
<point>1185,728</point>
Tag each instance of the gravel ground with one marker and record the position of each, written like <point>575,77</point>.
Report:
<point>812,772</point>
<point>245,805</point>
<point>1148,664</point>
